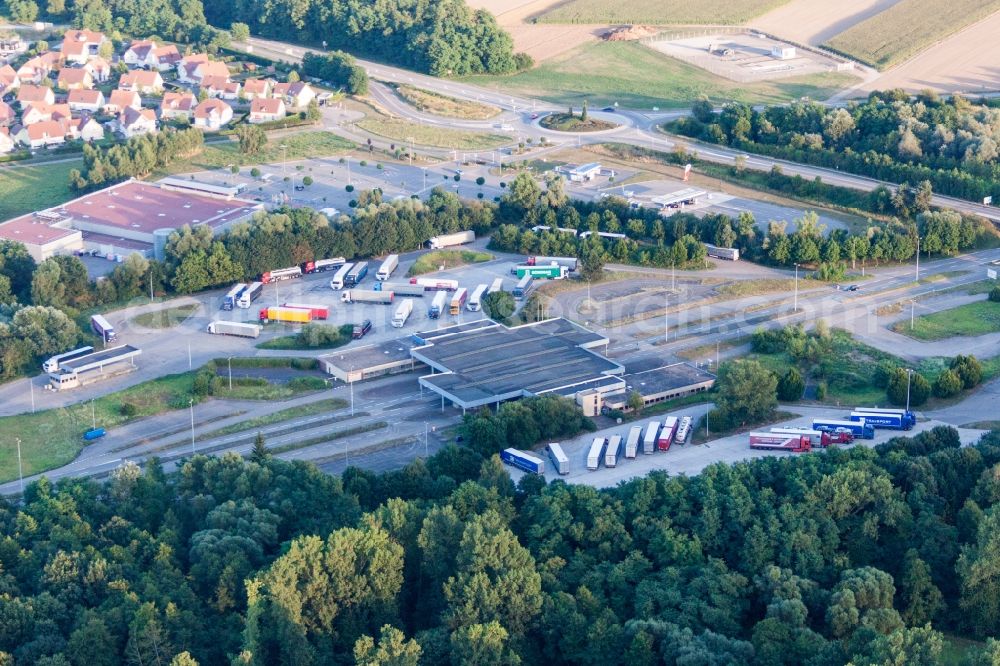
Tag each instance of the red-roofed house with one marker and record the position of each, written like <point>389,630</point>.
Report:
<point>43,134</point>
<point>6,141</point>
<point>29,94</point>
<point>39,112</point>
<point>84,128</point>
<point>134,123</point>
<point>141,81</point>
<point>165,57</point>
<point>72,78</point>
<point>266,110</point>
<point>212,114</point>
<point>177,105</point>
<point>254,88</point>
<point>79,45</point>
<point>296,95</point>
<point>99,68</point>
<point>34,70</point>
<point>221,87</point>
<point>85,100</point>
<point>120,99</point>
<point>8,79</point>
<point>186,65</point>
<point>194,71</point>
<point>7,114</point>
<point>137,54</point>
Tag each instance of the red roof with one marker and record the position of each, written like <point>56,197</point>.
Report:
<point>122,98</point>
<point>29,93</point>
<point>269,106</point>
<point>45,129</point>
<point>210,106</point>
<point>31,229</point>
<point>140,78</point>
<point>178,101</point>
<point>84,97</point>
<point>71,75</point>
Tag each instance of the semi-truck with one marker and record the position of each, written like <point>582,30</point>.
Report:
<point>552,272</point>
<point>475,303</point>
<point>236,328</point>
<point>458,300</point>
<point>496,286</point>
<point>400,288</point>
<point>896,419</point>
<point>649,438</point>
<point>229,300</point>
<point>93,367</point>
<point>280,274</point>
<point>770,441</point>
<point>523,461</point>
<point>249,295</point>
<point>569,262</point>
<point>285,315</point>
<point>559,458</point>
<point>595,453</point>
<point>613,451</point>
<point>318,311</point>
<point>817,438</point>
<point>450,240</point>
<point>356,274</point>
<point>402,313</point>
<point>632,441</point>
<point>435,284</point>
<point>437,305</point>
<point>387,267</point>
<point>858,429</point>
<point>367,296</point>
<point>340,277</point>
<point>667,432</point>
<point>523,287</point>
<point>683,430</point>
<point>323,265</point>
<point>103,328</point>
<point>727,253</point>
<point>53,364</point>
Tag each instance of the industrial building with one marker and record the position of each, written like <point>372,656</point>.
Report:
<point>660,384</point>
<point>584,172</point>
<point>384,358</point>
<point>487,363</point>
<point>133,216</point>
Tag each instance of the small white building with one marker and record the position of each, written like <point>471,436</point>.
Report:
<point>783,52</point>
<point>584,172</point>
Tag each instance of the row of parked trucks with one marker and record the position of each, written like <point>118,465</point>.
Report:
<point>860,424</point>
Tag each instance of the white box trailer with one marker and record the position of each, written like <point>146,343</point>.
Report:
<point>237,328</point>
<point>402,313</point>
<point>337,282</point>
<point>449,240</point>
<point>367,296</point>
<point>559,458</point>
<point>387,267</point>
<point>595,454</point>
<point>475,303</point>
<point>649,438</point>
<point>632,442</point>
<point>613,451</point>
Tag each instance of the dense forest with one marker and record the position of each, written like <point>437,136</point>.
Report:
<point>950,142</point>
<point>859,556</point>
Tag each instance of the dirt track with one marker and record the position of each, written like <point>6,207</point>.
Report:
<point>540,41</point>
<point>815,21</point>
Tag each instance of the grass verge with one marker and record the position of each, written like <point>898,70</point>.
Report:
<point>30,188</point>
<point>298,145</point>
<point>756,287</point>
<point>983,425</point>
<point>660,12</point>
<point>302,342</point>
<point>337,434</point>
<point>564,122</point>
<point>443,105</point>
<point>636,76</point>
<point>907,28</point>
<point>167,318</point>
<point>969,320</point>
<point>702,352</point>
<point>256,388</point>
<point>431,135</point>
<point>698,435</point>
<point>433,261</point>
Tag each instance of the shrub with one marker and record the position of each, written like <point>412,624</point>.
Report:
<point>255,172</point>
<point>363,163</point>
<point>307,181</point>
<point>947,384</point>
<point>968,369</point>
<point>480,181</point>
<point>790,386</point>
<point>995,294</point>
<point>128,409</point>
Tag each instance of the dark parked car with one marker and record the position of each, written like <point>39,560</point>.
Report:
<point>361,329</point>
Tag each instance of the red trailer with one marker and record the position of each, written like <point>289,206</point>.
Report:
<point>772,441</point>
<point>667,433</point>
<point>318,311</point>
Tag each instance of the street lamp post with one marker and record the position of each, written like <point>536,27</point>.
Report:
<point>796,306</point>
<point>913,305</point>
<point>909,375</point>
<point>230,361</point>
<point>916,277</point>
<point>20,469</point>
<point>191,406</point>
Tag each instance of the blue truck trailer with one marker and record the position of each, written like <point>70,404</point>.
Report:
<point>860,429</point>
<point>895,419</point>
<point>522,460</point>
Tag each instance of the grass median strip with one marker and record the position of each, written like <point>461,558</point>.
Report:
<point>338,434</point>
<point>969,320</point>
<point>300,411</point>
<point>427,135</point>
<point>443,105</point>
<point>432,261</point>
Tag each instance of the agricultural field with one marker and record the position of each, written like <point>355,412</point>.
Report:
<point>597,73</point>
<point>539,40</point>
<point>427,135</point>
<point>660,12</point>
<point>815,21</point>
<point>970,320</point>
<point>443,105</point>
<point>907,28</point>
<point>25,189</point>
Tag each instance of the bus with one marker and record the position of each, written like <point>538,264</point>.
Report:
<point>523,461</point>
<point>338,278</point>
<point>496,286</point>
<point>632,442</point>
<point>559,458</point>
<point>523,287</point>
<point>458,300</point>
<point>613,451</point>
<point>475,303</point>
<point>52,365</point>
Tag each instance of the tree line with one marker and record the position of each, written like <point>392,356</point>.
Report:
<point>135,158</point>
<point>440,37</point>
<point>862,555</point>
<point>950,142</point>
<point>338,68</point>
